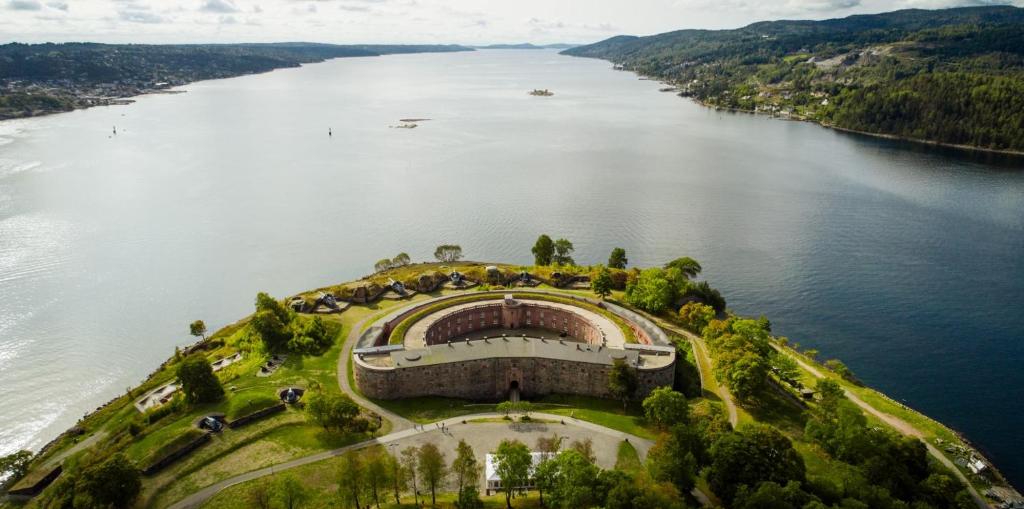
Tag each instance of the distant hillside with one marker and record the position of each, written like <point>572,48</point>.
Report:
<point>37,79</point>
<point>952,76</point>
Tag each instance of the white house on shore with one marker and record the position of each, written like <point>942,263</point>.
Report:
<point>494,484</point>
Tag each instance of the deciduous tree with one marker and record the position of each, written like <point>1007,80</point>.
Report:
<point>617,260</point>
<point>513,463</point>
<point>290,492</point>
<point>466,470</point>
<point>432,468</point>
<point>198,383</point>
<point>688,266</point>
<point>113,483</point>
<point>410,465</point>
<point>563,253</point>
<point>382,265</point>
<point>543,250</point>
<point>351,478</point>
<point>602,283</point>
<point>448,253</point>
<point>665,407</point>
<point>695,316</point>
<point>197,329</point>
<point>754,453</point>
<point>622,382</point>
<point>331,410</point>
<point>401,260</point>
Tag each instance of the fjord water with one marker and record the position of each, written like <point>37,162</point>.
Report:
<point>903,262</point>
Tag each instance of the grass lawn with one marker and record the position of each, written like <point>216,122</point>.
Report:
<point>627,459</point>
<point>433,408</point>
<point>604,412</point>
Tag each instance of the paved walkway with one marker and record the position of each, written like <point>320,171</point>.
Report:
<point>705,369</point>
<point>898,424</point>
<point>398,422</point>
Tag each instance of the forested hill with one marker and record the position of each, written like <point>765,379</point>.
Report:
<point>952,76</point>
<point>44,78</point>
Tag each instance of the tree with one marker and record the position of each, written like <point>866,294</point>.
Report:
<point>382,265</point>
<point>748,376</point>
<point>332,410</point>
<point>703,292</point>
<point>617,260</point>
<point>602,283</point>
<point>784,366</point>
<point>543,250</point>
<point>575,481</point>
<point>513,463</point>
<point>545,475</point>
<point>401,260</point>
<point>14,466</point>
<point>113,483</point>
<point>549,445</point>
<point>665,407</point>
<point>752,454</point>
<point>696,316</point>
<point>410,464</point>
<point>675,457</point>
<point>351,477</point>
<point>197,329</point>
<point>264,302</point>
<point>466,470</point>
<point>622,381</point>
<point>432,468</point>
<point>198,382</point>
<point>688,266</point>
<point>397,477</point>
<point>291,492</point>
<point>448,253</point>
<point>652,290</point>
<point>378,473</point>
<point>260,496</point>
<point>563,253</point>
<point>585,448</point>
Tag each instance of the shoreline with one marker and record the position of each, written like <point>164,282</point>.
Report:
<point>893,137</point>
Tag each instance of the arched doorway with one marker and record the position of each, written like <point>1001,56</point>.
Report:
<point>513,391</point>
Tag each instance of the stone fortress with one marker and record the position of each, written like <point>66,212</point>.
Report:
<point>492,349</point>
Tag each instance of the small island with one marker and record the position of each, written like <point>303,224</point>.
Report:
<point>448,381</point>
<point>541,92</point>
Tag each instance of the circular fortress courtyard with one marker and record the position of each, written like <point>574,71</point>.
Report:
<point>497,346</point>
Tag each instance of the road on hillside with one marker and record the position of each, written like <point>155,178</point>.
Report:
<point>898,424</point>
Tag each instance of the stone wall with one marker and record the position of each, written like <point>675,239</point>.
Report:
<point>491,379</point>
<point>503,316</point>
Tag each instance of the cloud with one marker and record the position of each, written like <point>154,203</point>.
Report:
<point>24,5</point>
<point>60,6</point>
<point>822,5</point>
<point>219,6</point>
<point>140,16</point>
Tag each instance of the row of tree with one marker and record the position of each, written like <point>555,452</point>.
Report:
<point>400,260</point>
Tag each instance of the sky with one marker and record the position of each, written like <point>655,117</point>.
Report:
<point>406,21</point>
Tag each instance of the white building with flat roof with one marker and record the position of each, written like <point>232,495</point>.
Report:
<point>494,484</point>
